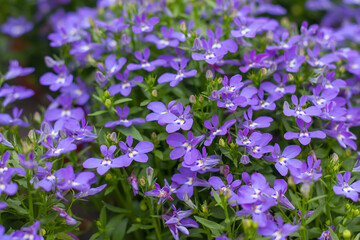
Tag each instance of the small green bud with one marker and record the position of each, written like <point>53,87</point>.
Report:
<point>42,232</point>
<point>32,136</point>
<point>108,177</point>
<point>328,222</point>
<point>143,206</point>
<point>209,75</point>
<point>113,137</point>
<point>291,181</point>
<point>347,234</point>
<point>183,27</point>
<point>263,71</point>
<point>154,93</point>
<point>334,158</point>
<point>201,99</point>
<point>305,189</point>
<point>347,206</point>
<point>142,181</point>
<point>37,117</point>
<point>220,80</point>
<point>204,208</point>
<point>356,212</point>
<point>108,103</point>
<point>106,94</point>
<point>222,142</point>
<point>290,77</point>
<point>192,99</point>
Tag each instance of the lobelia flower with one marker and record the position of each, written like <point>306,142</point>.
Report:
<point>30,163</point>
<point>214,131</point>
<point>326,59</point>
<point>280,89</point>
<point>203,163</point>
<point>260,122</point>
<point>280,187</point>
<point>145,64</point>
<point>174,79</point>
<point>258,210</point>
<point>227,190</point>
<point>15,70</point>
<point>91,191</point>
<point>5,169</point>
<point>211,56</point>
<point>5,142</point>
<point>64,146</point>
<point>330,83</point>
<point>134,183</point>
<point>177,118</point>
<point>103,165</point>
<point>285,160</point>
<point>115,25</point>
<point>257,191</point>
<point>78,91</point>
<point>321,98</point>
<point>66,179</point>
<point>332,111</point>
<point>82,133</point>
<point>69,220</point>
<point>231,86</point>
<point>177,221</point>
<point>267,104</point>
<point>162,193</point>
<point>144,25</point>
<point>280,39</point>
<point>260,146</point>
<point>222,47</point>
<point>308,172</point>
<point>184,147</point>
<point>62,78</point>
<point>28,233</point>
<point>293,61</point>
<point>138,153</point>
<point>299,112</point>
<point>170,38</point>
<point>325,235</point>
<point>278,230</point>
<point>13,93</point>
<point>344,188</point>
<point>6,119</point>
<point>343,135</point>
<point>112,66</point>
<point>15,27</point>
<point>48,179</point>
<point>243,139</point>
<point>124,88</point>
<point>159,109</point>
<point>123,113</point>
<point>252,60</point>
<point>245,27</point>
<point>304,136</point>
<point>5,185</point>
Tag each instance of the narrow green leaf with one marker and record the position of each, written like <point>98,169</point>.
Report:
<point>122,100</point>
<point>333,235</point>
<point>214,227</point>
<point>97,113</point>
<point>216,196</point>
<point>132,131</point>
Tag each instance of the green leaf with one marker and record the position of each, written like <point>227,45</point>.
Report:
<point>122,100</point>
<point>109,190</point>
<point>317,198</point>
<point>120,231</point>
<point>97,113</point>
<point>63,236</point>
<point>145,102</point>
<point>103,216</point>
<point>115,209</point>
<point>357,237</point>
<point>131,131</point>
<point>314,215</point>
<point>333,235</point>
<point>15,204</point>
<point>216,196</point>
<point>97,98</point>
<point>214,227</point>
<point>49,218</point>
<point>95,236</point>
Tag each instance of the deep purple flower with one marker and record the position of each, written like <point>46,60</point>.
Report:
<point>124,88</point>
<point>341,132</point>
<point>67,179</point>
<point>103,165</point>
<point>326,59</point>
<point>321,98</point>
<point>48,179</point>
<point>69,220</point>
<point>278,90</point>
<point>267,104</point>
<point>325,235</point>
<point>214,131</point>
<point>260,147</point>
<point>145,64</point>
<point>174,79</point>
<point>184,147</point>
<point>62,78</point>
<point>244,140</point>
<point>16,27</point>
<point>330,83</point>
<point>4,236</point>
<point>64,146</point>
<point>279,230</point>
<point>138,153</point>
<point>13,93</point>
<point>260,122</point>
<point>112,66</point>
<point>280,39</point>
<point>28,233</point>
<point>6,119</point>
<point>177,118</point>
<point>285,160</point>
<point>257,191</point>
<point>304,136</point>
<point>188,180</point>
<point>308,172</point>
<point>177,221</point>
<point>123,113</point>
<point>170,38</point>
<point>4,169</point>
<point>81,133</point>
<point>211,56</point>
<point>143,24</point>
<point>15,70</point>
<point>231,86</point>
<point>203,163</point>
<point>91,191</point>
<point>280,187</point>
<point>299,112</point>
<point>343,187</point>
<point>258,210</point>
<point>134,183</point>
<point>5,142</point>
<point>115,25</point>
<point>222,47</point>
<point>293,61</point>
<point>226,189</point>
<point>162,193</point>
<point>251,60</point>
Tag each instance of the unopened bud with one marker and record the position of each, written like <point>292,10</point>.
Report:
<point>220,80</point>
<point>32,136</point>
<point>347,234</point>
<point>290,77</point>
<point>348,152</point>
<point>347,206</point>
<point>197,45</point>
<point>113,137</point>
<point>153,135</point>
<point>125,39</point>
<point>334,158</point>
<point>63,134</point>
<point>263,71</point>
<point>100,77</point>
<point>286,105</point>
<point>149,175</point>
<point>192,99</point>
<point>183,27</point>
<point>291,181</point>
<point>356,212</point>
<point>224,169</point>
<point>201,99</point>
<point>247,223</point>
<point>188,201</point>
<point>154,93</point>
<point>143,206</point>
<point>209,75</point>
<point>222,142</point>
<point>107,103</point>
<point>312,153</point>
<point>142,181</point>
<point>244,159</point>
<point>106,94</point>
<point>42,232</point>
<point>214,95</point>
<point>305,189</point>
<point>37,117</point>
<point>204,208</point>
<point>108,177</point>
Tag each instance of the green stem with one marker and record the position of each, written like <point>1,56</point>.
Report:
<point>227,220</point>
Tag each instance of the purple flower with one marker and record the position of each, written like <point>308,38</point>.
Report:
<point>279,230</point>
<point>325,235</point>
<point>188,180</point>
<point>48,179</point>
<point>62,78</point>
<point>162,193</point>
<point>30,163</point>
<point>231,86</point>
<point>28,233</point>
<point>184,147</point>
<point>177,118</point>
<point>257,191</point>
<point>330,83</point>
<point>177,221</point>
<point>293,61</point>
<point>66,179</point>
<point>326,59</point>
<point>267,104</point>
<point>280,39</point>
<point>13,93</point>
<point>15,70</point>
<point>143,24</point>
<point>145,64</point>
<point>308,172</point>
<point>5,185</point>
<point>285,160</point>
<point>226,189</point>
<point>123,113</point>
<point>134,183</point>
<point>260,122</point>
<point>280,187</point>
<point>244,140</point>
<point>214,131</point>
<point>91,191</point>
<point>4,169</point>
<point>174,79</point>
<point>138,153</point>
<point>321,98</point>
<point>6,119</point>
<point>245,27</point>
<point>2,229</point>
<point>125,86</point>
<point>260,146</point>
<point>203,163</point>
<point>222,47</point>
<point>81,133</point>
<point>159,109</point>
<point>211,56</point>
<point>252,60</point>
<point>79,92</point>
<point>115,25</point>
<point>343,135</point>
<point>280,89</point>
<point>304,136</point>
<point>343,187</point>
<point>15,27</point>
<point>103,165</point>
<point>299,112</point>
<point>170,38</point>
<point>112,66</point>
<point>64,146</point>
<point>69,220</point>
<point>258,210</point>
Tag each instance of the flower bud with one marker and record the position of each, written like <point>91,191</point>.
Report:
<point>286,105</point>
<point>149,175</point>
<point>143,206</point>
<point>356,212</point>
<point>107,103</point>
<point>154,93</point>
<point>305,189</point>
<point>37,117</point>
<point>244,159</point>
<point>142,181</point>
<point>334,158</point>
<point>183,27</point>
<point>42,232</point>
<point>125,39</point>
<point>204,208</point>
<point>100,77</point>
<point>62,133</point>
<point>201,99</point>
<point>220,80</point>
<point>290,77</point>
<point>32,136</point>
<point>197,45</point>
<point>215,95</point>
<point>209,75</point>
<point>263,71</point>
<point>106,94</point>
<point>224,169</point>
<point>347,234</point>
<point>113,137</point>
<point>188,201</point>
<point>291,181</point>
<point>348,152</point>
<point>222,142</point>
<point>192,99</point>
<point>347,206</point>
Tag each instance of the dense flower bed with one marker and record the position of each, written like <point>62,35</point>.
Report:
<point>212,119</point>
